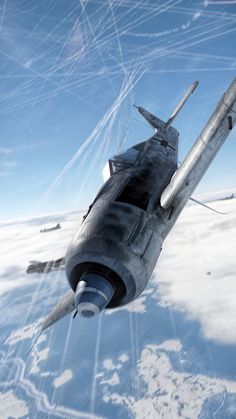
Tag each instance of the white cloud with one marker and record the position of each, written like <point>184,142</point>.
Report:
<point>114,380</point>
<point>196,15</point>
<point>108,364</point>
<point>171,345</point>
<point>22,242</point>
<point>196,270</point>
<point>27,332</point>
<point>166,391</point>
<point>38,357</point>
<point>123,358</point>
<point>11,406</point>
<point>63,378</point>
<point>136,306</point>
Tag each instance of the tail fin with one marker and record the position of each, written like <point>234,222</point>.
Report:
<point>157,123</point>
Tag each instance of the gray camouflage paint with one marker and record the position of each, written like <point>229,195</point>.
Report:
<point>127,239</point>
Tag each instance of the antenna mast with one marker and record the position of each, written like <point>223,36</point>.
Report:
<point>181,103</point>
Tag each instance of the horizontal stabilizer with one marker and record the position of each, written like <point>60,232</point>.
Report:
<point>212,137</point>
<point>155,122</point>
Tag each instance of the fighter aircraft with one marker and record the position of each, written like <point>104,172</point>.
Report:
<point>110,261</point>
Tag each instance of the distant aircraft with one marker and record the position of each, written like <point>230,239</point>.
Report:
<point>110,261</point>
<point>47,230</point>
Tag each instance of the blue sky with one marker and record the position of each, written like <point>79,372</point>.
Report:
<point>70,72</point>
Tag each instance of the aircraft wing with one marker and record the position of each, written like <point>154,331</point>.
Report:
<point>212,137</point>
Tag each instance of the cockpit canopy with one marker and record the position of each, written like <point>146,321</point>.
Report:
<point>120,162</point>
